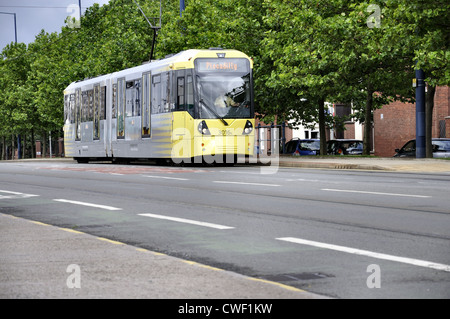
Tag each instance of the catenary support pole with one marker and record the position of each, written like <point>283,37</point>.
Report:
<point>420,114</point>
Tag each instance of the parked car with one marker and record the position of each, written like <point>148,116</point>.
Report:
<point>299,147</point>
<point>345,147</point>
<point>441,148</point>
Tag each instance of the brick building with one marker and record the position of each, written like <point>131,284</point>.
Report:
<point>395,124</point>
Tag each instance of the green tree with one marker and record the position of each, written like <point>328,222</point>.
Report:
<point>425,24</point>
<point>15,115</point>
<point>312,44</point>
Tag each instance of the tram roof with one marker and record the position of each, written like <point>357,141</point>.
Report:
<point>184,60</point>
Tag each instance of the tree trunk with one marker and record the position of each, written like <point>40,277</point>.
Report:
<point>24,145</point>
<point>3,148</point>
<point>13,146</point>
<point>429,105</point>
<point>323,138</point>
<point>44,144</point>
<point>368,121</point>
<point>33,144</point>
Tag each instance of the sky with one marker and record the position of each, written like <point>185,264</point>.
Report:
<point>34,15</point>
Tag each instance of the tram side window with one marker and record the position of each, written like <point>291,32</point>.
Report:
<point>180,94</point>
<point>190,95</point>
<point>78,115</point>
<point>162,101</point>
<point>103,103</point>
<point>165,93</point>
<point>133,89</point>
<point>146,117</point>
<point>96,113</point>
<point>72,108</point>
<point>90,111</point>
<point>84,106</point>
<point>121,108</point>
<point>156,94</point>
<point>114,101</point>
<point>66,109</point>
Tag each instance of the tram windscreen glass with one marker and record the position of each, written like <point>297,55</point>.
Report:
<point>223,88</point>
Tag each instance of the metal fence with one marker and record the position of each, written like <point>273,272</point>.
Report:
<point>270,139</point>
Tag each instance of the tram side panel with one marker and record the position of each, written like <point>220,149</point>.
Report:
<point>182,137</point>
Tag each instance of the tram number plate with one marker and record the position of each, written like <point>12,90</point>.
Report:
<point>225,132</point>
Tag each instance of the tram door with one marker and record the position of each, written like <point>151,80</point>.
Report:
<point>182,122</point>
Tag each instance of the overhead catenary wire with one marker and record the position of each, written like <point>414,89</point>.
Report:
<point>28,53</point>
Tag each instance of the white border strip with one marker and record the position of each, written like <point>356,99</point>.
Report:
<point>242,183</point>
<point>187,221</point>
<point>15,195</point>
<point>373,193</point>
<point>165,177</point>
<point>411,261</point>
<point>86,204</point>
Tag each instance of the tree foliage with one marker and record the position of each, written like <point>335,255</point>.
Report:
<point>305,52</point>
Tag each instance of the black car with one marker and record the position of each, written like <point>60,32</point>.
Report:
<point>441,148</point>
<point>345,147</point>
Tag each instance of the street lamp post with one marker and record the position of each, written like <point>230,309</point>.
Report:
<point>15,24</point>
<point>182,7</point>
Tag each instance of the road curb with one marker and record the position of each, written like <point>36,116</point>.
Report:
<point>342,166</point>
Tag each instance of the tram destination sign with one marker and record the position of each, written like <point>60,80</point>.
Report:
<point>222,65</point>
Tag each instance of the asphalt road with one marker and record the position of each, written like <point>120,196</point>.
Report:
<point>342,234</point>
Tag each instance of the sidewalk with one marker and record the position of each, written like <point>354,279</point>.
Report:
<point>428,165</point>
<point>392,164</point>
<point>41,261</point>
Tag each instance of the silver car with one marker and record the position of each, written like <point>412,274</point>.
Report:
<point>441,148</point>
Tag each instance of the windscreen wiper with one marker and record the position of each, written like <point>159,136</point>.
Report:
<point>214,112</point>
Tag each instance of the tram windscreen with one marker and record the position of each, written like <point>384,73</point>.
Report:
<point>223,88</point>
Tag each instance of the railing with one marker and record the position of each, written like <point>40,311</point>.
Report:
<point>269,141</point>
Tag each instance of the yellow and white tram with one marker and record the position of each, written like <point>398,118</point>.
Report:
<point>194,106</point>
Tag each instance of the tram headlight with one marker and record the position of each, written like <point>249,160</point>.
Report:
<point>248,128</point>
<point>203,128</point>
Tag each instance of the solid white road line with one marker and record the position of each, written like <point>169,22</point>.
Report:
<point>243,183</point>
<point>373,193</point>
<point>165,177</point>
<point>9,192</point>
<point>188,221</point>
<point>411,261</point>
<point>86,204</point>
<point>15,195</point>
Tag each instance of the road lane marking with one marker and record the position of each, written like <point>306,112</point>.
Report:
<point>277,284</point>
<point>39,223</point>
<point>110,241</point>
<point>187,221</point>
<point>12,195</point>
<point>165,177</point>
<point>237,172</point>
<point>87,204</point>
<point>244,183</point>
<point>9,192</point>
<point>72,231</point>
<point>411,261</point>
<point>373,193</point>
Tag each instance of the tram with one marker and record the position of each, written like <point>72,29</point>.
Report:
<point>192,107</point>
